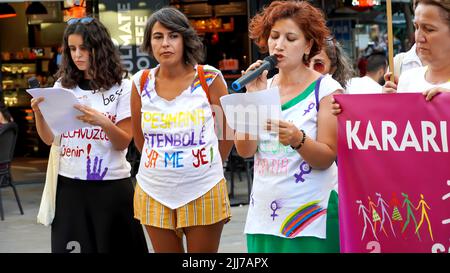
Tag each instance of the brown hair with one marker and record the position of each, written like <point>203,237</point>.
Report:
<point>339,61</point>
<point>105,67</point>
<point>175,20</point>
<point>444,6</point>
<point>309,19</point>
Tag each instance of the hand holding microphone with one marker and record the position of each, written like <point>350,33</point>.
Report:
<point>255,78</point>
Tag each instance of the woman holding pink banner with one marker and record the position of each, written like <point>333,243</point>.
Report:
<point>293,206</point>
<point>432,23</point>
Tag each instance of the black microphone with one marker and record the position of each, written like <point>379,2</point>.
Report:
<point>269,63</point>
<point>33,83</point>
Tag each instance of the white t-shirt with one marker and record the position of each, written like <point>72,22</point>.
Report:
<point>413,80</point>
<point>363,85</point>
<point>180,158</point>
<point>285,186</point>
<point>87,153</point>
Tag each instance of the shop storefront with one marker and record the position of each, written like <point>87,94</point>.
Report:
<point>30,43</point>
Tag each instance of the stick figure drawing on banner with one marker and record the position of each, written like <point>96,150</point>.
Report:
<point>362,209</point>
<point>375,216</point>
<point>445,197</point>
<point>409,213</point>
<point>384,214</point>
<point>424,214</point>
<point>396,216</point>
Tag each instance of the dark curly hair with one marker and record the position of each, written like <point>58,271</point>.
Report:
<point>309,19</point>
<point>340,63</point>
<point>175,20</point>
<point>105,67</point>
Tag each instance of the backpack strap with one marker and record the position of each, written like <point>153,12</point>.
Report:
<point>143,80</point>
<point>316,92</point>
<point>201,77</point>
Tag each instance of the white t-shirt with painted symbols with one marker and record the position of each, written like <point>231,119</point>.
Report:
<point>285,188</point>
<point>180,158</point>
<point>87,153</point>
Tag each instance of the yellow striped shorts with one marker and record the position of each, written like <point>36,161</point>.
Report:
<point>208,209</point>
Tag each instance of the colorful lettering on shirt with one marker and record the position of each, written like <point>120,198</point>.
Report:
<point>71,152</point>
<point>156,120</point>
<point>152,156</point>
<point>174,158</point>
<point>272,166</point>
<point>87,133</point>
<point>274,147</point>
<point>200,157</point>
<point>160,140</point>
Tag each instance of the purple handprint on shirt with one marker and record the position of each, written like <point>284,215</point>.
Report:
<point>95,174</point>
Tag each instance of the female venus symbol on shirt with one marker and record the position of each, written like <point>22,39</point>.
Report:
<point>274,206</point>
<point>310,107</point>
<point>304,169</point>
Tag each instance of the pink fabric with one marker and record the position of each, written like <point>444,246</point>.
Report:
<point>379,190</point>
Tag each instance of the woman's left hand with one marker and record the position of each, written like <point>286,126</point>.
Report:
<point>288,133</point>
<point>430,93</point>
<point>92,116</point>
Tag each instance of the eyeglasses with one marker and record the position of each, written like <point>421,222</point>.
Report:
<point>84,20</point>
<point>319,66</point>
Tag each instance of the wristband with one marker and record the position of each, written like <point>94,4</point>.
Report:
<point>301,141</point>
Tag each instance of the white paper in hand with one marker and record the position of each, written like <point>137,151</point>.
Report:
<point>57,109</point>
<point>249,112</point>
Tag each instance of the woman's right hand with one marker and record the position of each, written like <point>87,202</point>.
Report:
<point>389,86</point>
<point>35,104</point>
<point>335,107</point>
<point>261,82</point>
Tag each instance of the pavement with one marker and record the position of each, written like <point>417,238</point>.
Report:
<point>21,233</point>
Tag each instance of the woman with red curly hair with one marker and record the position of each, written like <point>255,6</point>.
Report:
<point>293,206</point>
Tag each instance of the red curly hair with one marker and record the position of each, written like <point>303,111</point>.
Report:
<point>309,19</point>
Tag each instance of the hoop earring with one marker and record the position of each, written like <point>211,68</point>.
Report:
<point>306,57</point>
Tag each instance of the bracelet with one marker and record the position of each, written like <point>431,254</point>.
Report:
<point>301,141</point>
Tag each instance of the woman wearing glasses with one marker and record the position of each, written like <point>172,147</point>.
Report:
<point>293,206</point>
<point>94,199</point>
<point>333,60</point>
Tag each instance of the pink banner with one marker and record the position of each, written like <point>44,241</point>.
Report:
<point>394,173</point>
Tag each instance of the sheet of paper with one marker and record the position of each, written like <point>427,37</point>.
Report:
<point>249,112</point>
<point>57,109</point>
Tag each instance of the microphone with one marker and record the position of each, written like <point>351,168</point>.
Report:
<point>269,63</point>
<point>33,83</point>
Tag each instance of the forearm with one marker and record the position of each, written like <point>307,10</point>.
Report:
<point>246,145</point>
<point>225,147</point>
<point>138,141</point>
<point>43,129</point>
<point>136,129</point>
<point>317,155</point>
<point>119,138</point>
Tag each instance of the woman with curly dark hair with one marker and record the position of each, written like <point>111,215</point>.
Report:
<point>94,198</point>
<point>333,60</point>
<point>293,204</point>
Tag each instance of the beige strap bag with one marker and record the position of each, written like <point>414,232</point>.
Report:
<point>47,208</point>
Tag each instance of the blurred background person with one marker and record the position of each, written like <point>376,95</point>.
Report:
<point>333,60</point>
<point>373,81</point>
<point>432,35</point>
